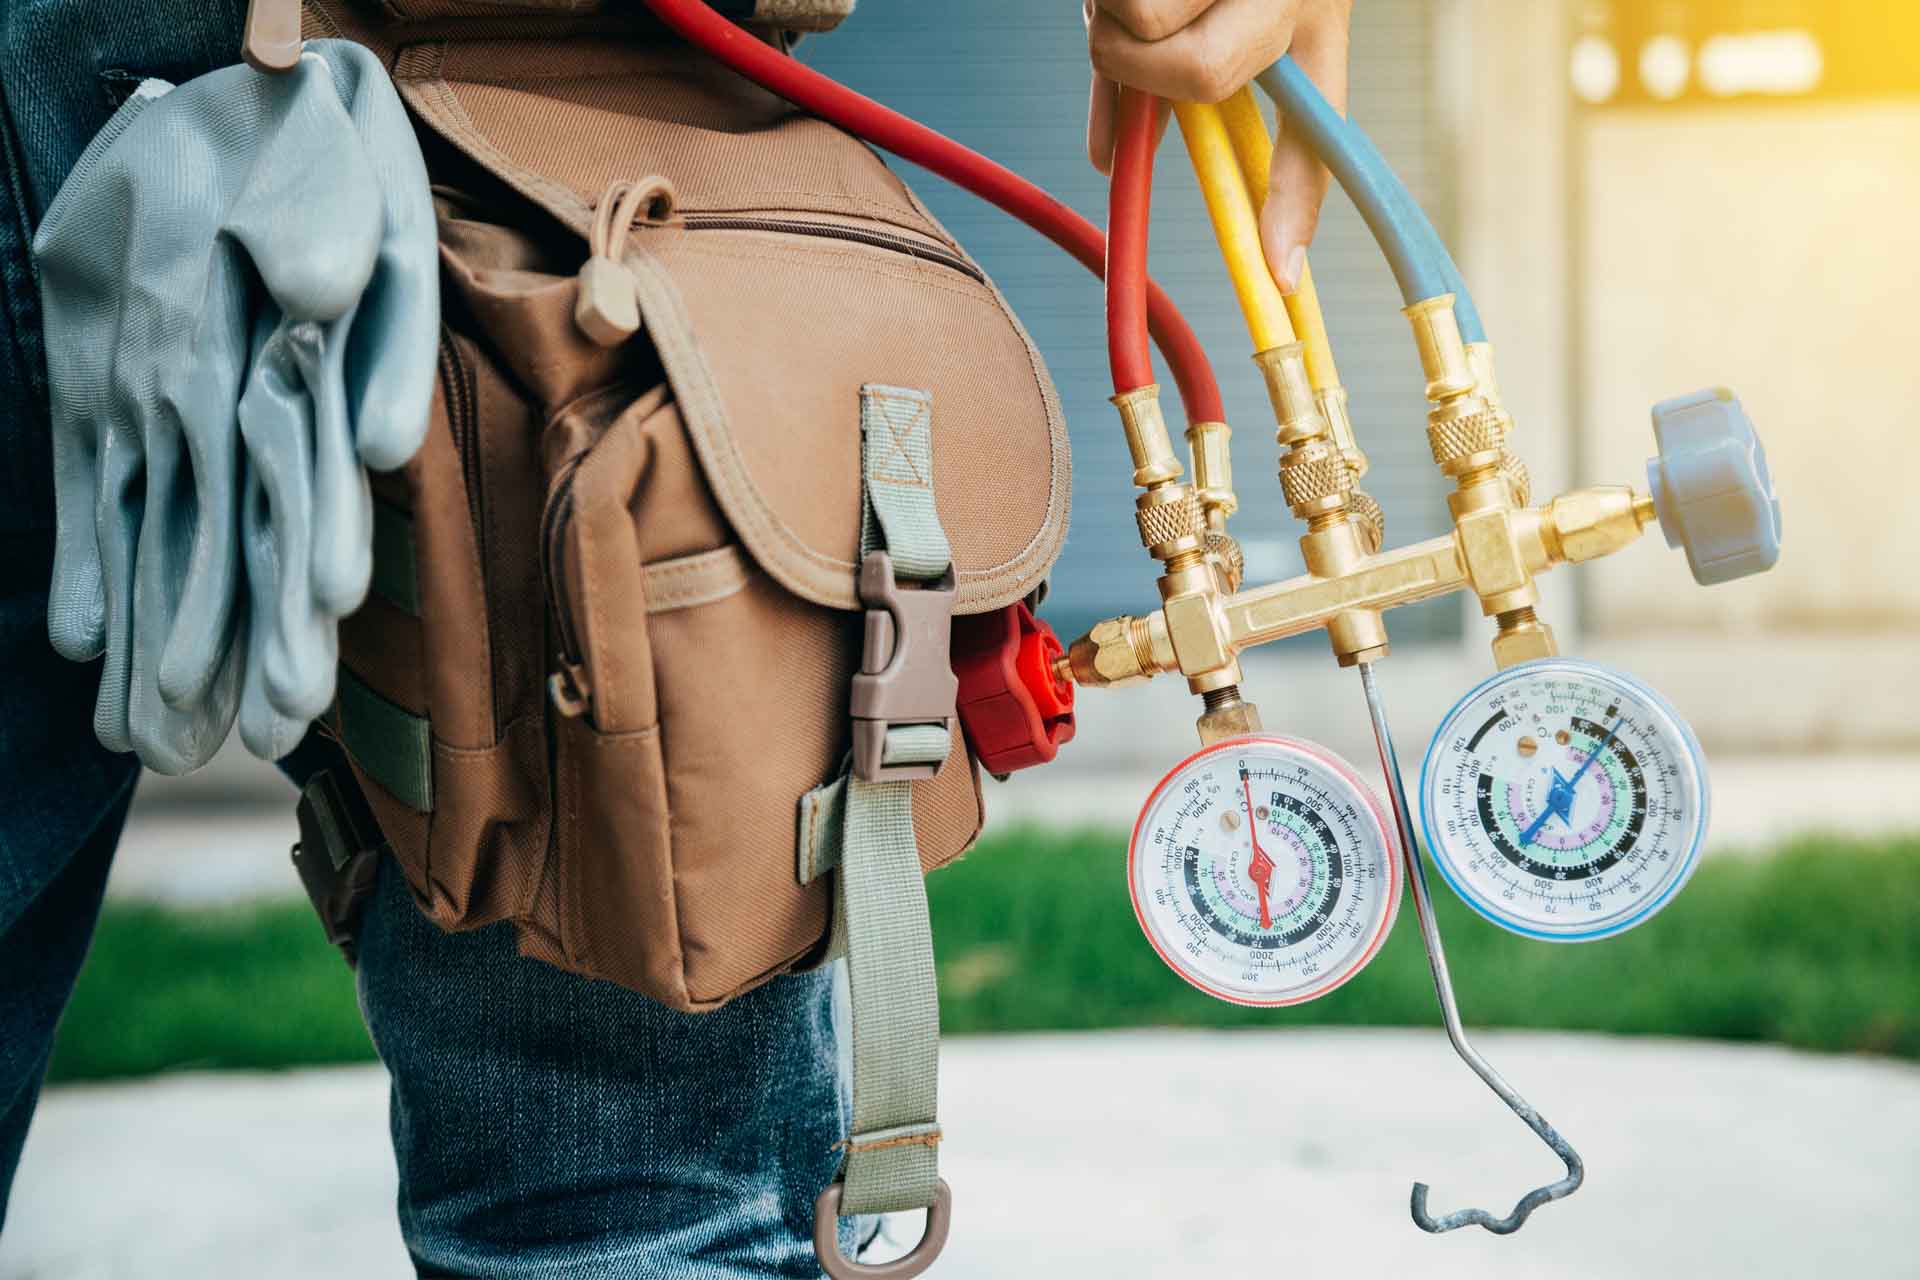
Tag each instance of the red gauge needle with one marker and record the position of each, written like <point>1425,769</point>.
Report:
<point>1260,869</point>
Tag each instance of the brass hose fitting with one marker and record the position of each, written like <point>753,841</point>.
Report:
<point>1465,432</point>
<point>1168,513</point>
<point>1208,445</point>
<point>1227,715</point>
<point>1521,637</point>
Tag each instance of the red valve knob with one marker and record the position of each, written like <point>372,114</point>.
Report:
<point>1014,711</point>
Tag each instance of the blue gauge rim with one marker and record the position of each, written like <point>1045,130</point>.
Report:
<point>1488,912</point>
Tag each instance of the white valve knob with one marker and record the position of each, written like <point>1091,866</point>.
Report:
<point>1712,488</point>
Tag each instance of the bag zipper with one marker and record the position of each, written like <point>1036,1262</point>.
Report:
<point>463,423</point>
<point>834,231</point>
<point>456,385</point>
<point>569,687</point>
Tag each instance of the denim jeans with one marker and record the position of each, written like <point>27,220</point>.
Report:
<point>543,1124</point>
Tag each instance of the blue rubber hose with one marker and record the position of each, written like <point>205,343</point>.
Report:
<point>1421,264</point>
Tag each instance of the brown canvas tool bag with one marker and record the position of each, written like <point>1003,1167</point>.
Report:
<point>618,609</point>
<point>728,432</point>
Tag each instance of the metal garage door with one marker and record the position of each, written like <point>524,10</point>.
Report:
<point>1009,77</point>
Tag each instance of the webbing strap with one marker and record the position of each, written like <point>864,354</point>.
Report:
<point>394,746</point>
<point>896,464</point>
<point>892,1160</point>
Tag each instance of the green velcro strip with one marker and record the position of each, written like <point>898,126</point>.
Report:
<point>396,573</point>
<point>393,745</point>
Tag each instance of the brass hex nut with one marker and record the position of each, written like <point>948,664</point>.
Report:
<point>1235,720</point>
<point>1523,644</point>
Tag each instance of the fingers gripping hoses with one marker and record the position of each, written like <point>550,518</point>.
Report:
<point>888,129</point>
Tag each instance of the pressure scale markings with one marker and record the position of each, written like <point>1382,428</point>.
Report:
<point>1262,873</point>
<point>1564,801</point>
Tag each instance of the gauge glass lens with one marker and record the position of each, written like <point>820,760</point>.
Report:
<point>1563,800</point>
<point>1261,871</point>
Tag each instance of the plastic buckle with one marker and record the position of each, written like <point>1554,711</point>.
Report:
<point>1015,712</point>
<point>906,668</point>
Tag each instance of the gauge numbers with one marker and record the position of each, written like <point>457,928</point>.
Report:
<point>1564,801</point>
<point>1261,871</point>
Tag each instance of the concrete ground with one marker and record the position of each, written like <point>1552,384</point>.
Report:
<point>1113,1155</point>
<point>1110,1155</point>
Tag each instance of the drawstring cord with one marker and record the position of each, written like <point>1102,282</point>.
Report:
<point>607,309</point>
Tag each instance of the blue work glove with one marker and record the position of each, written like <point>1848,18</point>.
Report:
<point>239,283</point>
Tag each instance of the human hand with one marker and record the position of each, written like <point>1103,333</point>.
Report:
<point>1204,51</point>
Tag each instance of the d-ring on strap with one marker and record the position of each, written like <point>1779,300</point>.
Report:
<point>903,701</point>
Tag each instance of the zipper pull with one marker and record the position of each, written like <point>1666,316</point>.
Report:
<point>608,308</point>
<point>571,693</point>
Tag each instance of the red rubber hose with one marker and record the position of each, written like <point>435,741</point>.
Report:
<point>911,140</point>
<point>1130,204</point>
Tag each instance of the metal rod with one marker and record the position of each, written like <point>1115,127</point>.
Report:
<point>1450,1011</point>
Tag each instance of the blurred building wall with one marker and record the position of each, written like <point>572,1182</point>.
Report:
<point>1774,249</point>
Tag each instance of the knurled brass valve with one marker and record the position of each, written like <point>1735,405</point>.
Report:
<point>1314,478</point>
<point>1366,512</point>
<point>1169,520</point>
<point>1519,479</point>
<point>1226,550</point>
<point>1472,442</point>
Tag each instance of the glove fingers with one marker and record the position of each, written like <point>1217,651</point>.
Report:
<point>117,516</point>
<point>206,614</point>
<point>342,504</point>
<point>263,730</point>
<point>294,642</point>
<point>392,351</point>
<point>77,604</point>
<point>310,217</point>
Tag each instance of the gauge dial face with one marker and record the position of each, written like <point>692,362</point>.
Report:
<point>1564,801</point>
<point>1261,871</point>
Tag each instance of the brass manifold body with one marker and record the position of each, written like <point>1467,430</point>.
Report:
<point>1499,543</point>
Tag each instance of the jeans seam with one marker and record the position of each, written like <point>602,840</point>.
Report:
<point>20,283</point>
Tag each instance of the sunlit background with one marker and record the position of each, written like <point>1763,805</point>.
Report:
<point>1649,197</point>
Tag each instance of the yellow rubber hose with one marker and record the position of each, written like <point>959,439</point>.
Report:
<point>1234,224</point>
<point>1253,149</point>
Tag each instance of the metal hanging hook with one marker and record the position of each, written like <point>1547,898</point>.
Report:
<point>1450,1012</point>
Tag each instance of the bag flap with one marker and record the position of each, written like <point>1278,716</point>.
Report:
<point>767,335</point>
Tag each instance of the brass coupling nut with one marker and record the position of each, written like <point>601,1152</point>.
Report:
<point>1225,550</point>
<point>1170,521</point>
<point>1315,479</point>
<point>1118,651</point>
<point>1466,442</point>
<point>1519,479</point>
<point>1365,511</point>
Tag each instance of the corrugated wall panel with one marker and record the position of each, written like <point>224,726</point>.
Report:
<point>1009,77</point>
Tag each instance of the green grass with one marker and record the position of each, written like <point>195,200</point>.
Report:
<point>1817,946</point>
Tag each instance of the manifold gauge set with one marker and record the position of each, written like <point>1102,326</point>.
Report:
<point>1561,800</point>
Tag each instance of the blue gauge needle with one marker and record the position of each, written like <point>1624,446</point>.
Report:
<point>1560,794</point>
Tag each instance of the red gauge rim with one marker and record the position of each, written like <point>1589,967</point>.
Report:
<point>1361,960</point>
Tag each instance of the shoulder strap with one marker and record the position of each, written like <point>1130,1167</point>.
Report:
<point>862,822</point>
